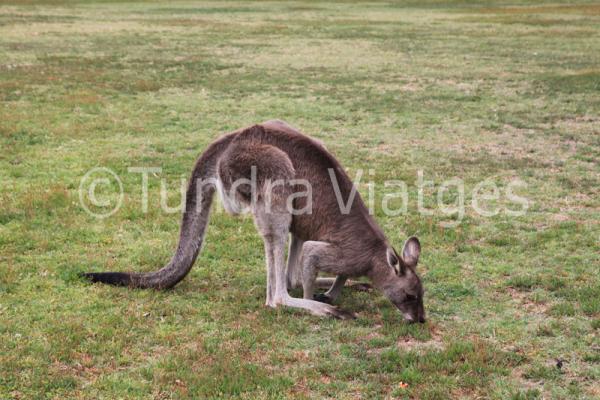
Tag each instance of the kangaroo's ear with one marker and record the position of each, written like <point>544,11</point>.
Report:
<point>411,252</point>
<point>393,261</point>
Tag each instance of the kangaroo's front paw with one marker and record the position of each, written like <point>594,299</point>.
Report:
<point>361,286</point>
<point>323,298</point>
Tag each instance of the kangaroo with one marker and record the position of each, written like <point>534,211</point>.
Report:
<point>323,239</point>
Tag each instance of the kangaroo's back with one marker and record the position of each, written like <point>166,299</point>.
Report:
<point>329,185</point>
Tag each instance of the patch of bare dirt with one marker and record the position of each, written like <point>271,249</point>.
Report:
<point>412,344</point>
<point>526,304</point>
<point>517,375</point>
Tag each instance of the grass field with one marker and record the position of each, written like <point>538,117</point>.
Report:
<point>493,91</point>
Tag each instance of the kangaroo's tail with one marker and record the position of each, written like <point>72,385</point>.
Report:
<point>199,198</point>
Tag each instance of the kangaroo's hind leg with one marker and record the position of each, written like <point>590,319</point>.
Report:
<point>294,270</point>
<point>273,227</point>
<point>269,204</point>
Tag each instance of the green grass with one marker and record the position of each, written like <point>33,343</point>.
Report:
<point>479,90</point>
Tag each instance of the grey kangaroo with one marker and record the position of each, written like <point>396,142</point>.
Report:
<point>346,244</point>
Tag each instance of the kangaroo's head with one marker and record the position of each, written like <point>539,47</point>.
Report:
<point>400,283</point>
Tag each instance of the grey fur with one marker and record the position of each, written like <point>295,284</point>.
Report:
<point>346,244</point>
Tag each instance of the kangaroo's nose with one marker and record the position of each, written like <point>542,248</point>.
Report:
<point>422,319</point>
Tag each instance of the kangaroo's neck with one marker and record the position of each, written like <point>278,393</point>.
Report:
<point>381,276</point>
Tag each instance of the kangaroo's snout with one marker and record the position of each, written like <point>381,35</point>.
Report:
<point>411,320</point>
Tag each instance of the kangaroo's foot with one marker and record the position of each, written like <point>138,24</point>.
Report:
<point>317,308</point>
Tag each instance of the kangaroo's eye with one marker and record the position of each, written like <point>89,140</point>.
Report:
<point>410,297</point>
